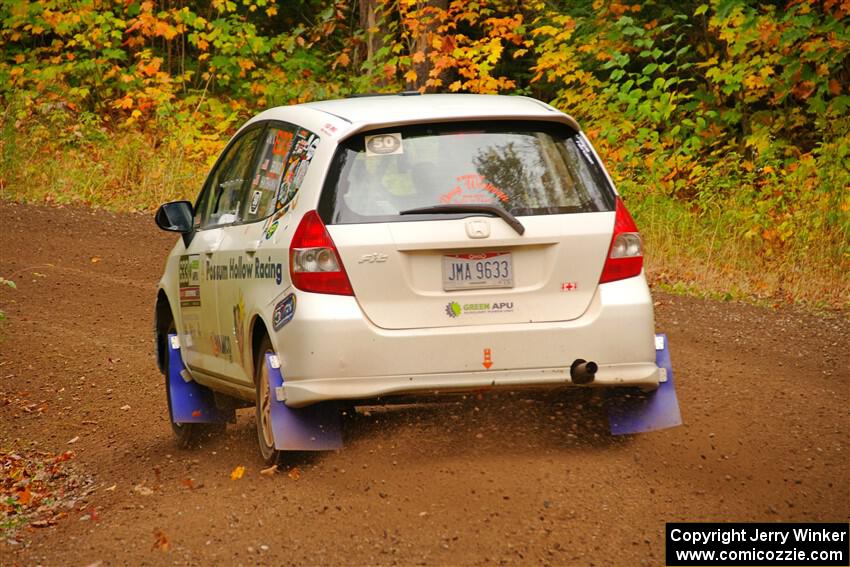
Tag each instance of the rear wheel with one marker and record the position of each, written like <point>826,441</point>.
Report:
<point>265,436</point>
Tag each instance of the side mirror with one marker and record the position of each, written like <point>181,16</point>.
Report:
<point>175,216</point>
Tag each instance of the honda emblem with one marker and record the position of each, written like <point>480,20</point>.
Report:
<point>478,229</point>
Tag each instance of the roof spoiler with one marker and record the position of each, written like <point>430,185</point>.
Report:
<point>402,93</point>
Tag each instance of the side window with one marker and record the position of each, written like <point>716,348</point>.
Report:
<point>268,173</point>
<point>303,147</point>
<point>219,205</point>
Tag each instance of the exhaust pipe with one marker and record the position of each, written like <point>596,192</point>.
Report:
<point>582,371</point>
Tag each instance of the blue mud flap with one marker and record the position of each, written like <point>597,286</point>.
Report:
<point>634,412</point>
<point>190,402</point>
<point>311,428</point>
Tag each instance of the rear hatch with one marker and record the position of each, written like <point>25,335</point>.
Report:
<point>469,224</point>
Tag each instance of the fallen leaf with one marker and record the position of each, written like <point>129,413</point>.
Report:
<point>95,259</point>
<point>42,523</point>
<point>269,471</point>
<point>24,497</point>
<point>160,541</point>
<point>188,483</point>
<point>66,456</point>
<point>142,490</point>
<point>237,473</point>
<point>35,488</point>
<point>111,488</point>
<point>125,407</point>
<point>74,440</point>
<point>294,473</point>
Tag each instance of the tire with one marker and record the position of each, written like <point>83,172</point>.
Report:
<point>187,434</point>
<point>265,437</point>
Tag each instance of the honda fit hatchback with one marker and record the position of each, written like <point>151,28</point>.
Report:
<point>397,245</point>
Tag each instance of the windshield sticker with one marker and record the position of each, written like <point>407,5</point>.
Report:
<point>188,270</point>
<point>299,160</point>
<point>384,144</point>
<point>288,188</point>
<point>455,309</point>
<point>284,311</point>
<point>312,145</point>
<point>584,149</point>
<point>255,202</point>
<point>300,173</point>
<point>276,168</point>
<point>282,142</point>
<point>266,183</point>
<point>474,188</point>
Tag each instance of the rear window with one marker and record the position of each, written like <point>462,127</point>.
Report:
<point>526,168</point>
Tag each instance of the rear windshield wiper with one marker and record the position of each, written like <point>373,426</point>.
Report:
<point>493,210</point>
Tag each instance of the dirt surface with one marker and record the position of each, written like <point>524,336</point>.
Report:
<point>500,479</point>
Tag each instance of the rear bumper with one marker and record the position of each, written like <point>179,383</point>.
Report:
<point>330,351</point>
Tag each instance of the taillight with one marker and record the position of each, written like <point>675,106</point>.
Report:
<point>625,255</point>
<point>314,262</point>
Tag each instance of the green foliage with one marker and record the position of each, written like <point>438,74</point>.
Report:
<point>726,123</point>
<point>733,115</point>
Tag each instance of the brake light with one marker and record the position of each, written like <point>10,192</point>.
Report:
<point>625,255</point>
<point>314,262</point>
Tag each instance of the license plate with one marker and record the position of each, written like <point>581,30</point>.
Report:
<point>477,271</point>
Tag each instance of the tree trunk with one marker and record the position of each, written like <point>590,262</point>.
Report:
<point>369,21</point>
<point>422,43</point>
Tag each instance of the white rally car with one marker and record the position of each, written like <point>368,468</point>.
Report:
<point>396,245</point>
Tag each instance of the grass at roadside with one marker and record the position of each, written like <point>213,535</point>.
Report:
<point>707,255</point>
<point>126,171</point>
<point>689,251</point>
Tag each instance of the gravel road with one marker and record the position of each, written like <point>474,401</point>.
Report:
<point>485,480</point>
